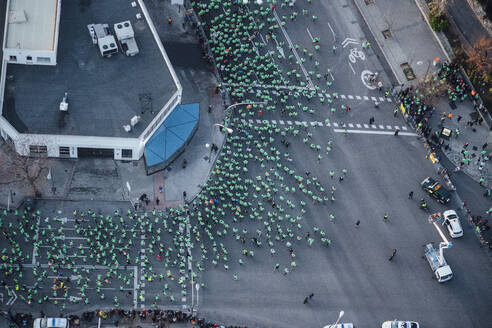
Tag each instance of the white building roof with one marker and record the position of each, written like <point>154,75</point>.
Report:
<point>32,25</point>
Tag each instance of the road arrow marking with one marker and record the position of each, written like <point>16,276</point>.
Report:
<point>348,41</point>
<point>12,299</point>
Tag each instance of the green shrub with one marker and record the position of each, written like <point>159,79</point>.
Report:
<point>438,21</point>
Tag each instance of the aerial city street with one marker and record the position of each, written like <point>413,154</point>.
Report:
<point>235,163</point>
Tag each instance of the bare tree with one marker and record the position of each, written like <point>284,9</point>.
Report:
<point>21,169</point>
<point>478,56</point>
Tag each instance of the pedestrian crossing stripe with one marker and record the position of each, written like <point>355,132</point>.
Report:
<point>350,97</point>
<point>343,96</point>
<point>366,98</point>
<point>374,99</point>
<point>381,99</point>
<point>358,97</point>
<point>334,124</point>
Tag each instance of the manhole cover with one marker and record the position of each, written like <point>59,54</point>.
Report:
<point>408,71</point>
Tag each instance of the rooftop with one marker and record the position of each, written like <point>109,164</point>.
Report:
<point>31,24</point>
<point>103,93</point>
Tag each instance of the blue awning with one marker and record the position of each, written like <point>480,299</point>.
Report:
<point>173,133</point>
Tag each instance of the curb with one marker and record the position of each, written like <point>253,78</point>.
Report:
<point>424,15</point>
<point>394,76</point>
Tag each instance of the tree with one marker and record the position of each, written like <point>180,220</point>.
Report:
<point>21,170</point>
<point>479,56</point>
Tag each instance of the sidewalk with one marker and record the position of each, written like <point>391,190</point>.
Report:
<point>413,41</point>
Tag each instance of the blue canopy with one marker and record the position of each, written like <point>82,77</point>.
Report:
<point>173,133</point>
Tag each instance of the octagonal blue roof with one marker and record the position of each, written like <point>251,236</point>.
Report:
<point>173,133</point>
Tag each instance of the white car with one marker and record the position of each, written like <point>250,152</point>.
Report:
<point>400,324</point>
<point>452,222</point>
<point>340,325</point>
<point>50,323</point>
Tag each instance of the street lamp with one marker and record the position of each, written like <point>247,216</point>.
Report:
<point>211,144</point>
<point>340,315</point>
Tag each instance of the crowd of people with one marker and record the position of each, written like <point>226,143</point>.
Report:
<point>254,202</point>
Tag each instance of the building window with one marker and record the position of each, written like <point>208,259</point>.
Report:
<point>35,150</point>
<point>44,60</point>
<point>64,151</point>
<point>126,153</point>
<point>29,58</point>
<point>13,58</point>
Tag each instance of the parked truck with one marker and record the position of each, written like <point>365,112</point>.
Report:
<point>435,257</point>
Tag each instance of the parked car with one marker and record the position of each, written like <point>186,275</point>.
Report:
<point>400,324</point>
<point>436,190</point>
<point>50,323</point>
<point>452,222</point>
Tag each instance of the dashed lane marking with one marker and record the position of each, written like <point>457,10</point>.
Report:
<point>388,133</point>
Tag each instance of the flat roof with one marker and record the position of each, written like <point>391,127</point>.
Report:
<point>103,93</point>
<point>31,24</point>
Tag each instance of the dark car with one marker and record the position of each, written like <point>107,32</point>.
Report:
<point>436,190</point>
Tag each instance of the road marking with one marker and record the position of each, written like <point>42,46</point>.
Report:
<point>320,95</point>
<point>284,32</point>
<point>332,32</point>
<point>374,126</point>
<point>258,121</point>
<point>250,121</point>
<point>381,99</point>
<point>404,128</point>
<point>374,99</point>
<point>73,238</point>
<point>348,41</point>
<point>381,126</point>
<point>387,133</point>
<point>397,127</point>
<point>358,97</point>
<point>366,126</point>
<point>352,67</point>
<point>343,96</point>
<point>289,122</point>
<point>350,125</point>
<point>359,126</point>
<point>328,95</point>
<point>274,122</point>
<point>12,299</point>
<point>335,125</point>
<point>388,127</point>
<point>310,35</point>
<point>366,98</point>
<point>350,97</point>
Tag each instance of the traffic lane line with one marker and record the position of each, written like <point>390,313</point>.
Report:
<point>406,134</point>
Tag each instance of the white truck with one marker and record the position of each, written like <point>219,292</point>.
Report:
<point>438,263</point>
<point>51,323</point>
<point>435,257</point>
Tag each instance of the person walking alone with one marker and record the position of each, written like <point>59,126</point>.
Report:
<point>393,253</point>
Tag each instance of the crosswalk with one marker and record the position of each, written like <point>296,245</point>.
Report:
<point>361,128</point>
<point>277,90</point>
